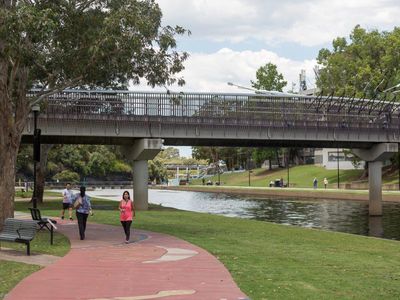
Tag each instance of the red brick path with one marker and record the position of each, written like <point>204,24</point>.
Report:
<point>155,266</point>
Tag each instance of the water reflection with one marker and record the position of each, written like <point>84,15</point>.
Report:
<point>375,225</point>
<point>343,216</point>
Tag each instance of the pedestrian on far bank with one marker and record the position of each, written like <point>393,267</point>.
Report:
<point>315,182</point>
<point>281,182</point>
<point>127,212</point>
<point>68,197</point>
<point>83,208</point>
<point>325,182</point>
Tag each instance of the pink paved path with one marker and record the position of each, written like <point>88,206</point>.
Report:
<point>103,267</point>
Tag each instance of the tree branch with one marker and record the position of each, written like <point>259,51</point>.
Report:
<point>60,88</point>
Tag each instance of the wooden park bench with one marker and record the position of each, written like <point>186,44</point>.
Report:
<point>43,222</point>
<point>19,231</point>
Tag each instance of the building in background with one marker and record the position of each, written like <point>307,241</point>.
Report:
<point>329,157</point>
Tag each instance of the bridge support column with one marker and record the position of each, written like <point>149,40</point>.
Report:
<point>138,154</point>
<point>375,187</point>
<point>375,158</point>
<point>140,180</point>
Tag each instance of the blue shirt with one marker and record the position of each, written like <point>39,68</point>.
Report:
<point>86,206</point>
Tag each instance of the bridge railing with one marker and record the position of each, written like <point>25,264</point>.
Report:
<point>223,109</point>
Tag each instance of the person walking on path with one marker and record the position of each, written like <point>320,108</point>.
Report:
<point>68,196</point>
<point>325,182</point>
<point>127,212</point>
<point>83,208</point>
<point>315,182</point>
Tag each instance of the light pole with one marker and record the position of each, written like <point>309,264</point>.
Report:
<point>337,158</point>
<point>287,162</point>
<point>248,163</point>
<point>36,151</point>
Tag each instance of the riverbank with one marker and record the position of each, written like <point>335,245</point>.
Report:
<point>299,193</point>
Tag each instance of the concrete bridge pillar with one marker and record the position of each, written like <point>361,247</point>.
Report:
<point>138,154</point>
<point>140,179</point>
<point>375,158</point>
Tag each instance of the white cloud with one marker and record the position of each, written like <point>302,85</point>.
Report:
<point>307,22</point>
<point>211,72</point>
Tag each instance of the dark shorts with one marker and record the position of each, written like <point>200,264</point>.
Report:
<point>66,205</point>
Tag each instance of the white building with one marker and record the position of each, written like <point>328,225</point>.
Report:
<point>329,157</point>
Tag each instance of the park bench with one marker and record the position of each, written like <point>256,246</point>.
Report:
<point>43,222</point>
<point>19,231</point>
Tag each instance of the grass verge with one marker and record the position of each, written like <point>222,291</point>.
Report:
<point>11,273</point>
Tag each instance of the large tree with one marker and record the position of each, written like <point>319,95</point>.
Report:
<point>269,78</point>
<point>58,44</point>
<point>366,63</point>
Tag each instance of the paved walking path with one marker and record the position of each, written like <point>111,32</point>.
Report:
<point>153,266</point>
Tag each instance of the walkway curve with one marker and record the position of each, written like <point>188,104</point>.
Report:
<point>154,266</point>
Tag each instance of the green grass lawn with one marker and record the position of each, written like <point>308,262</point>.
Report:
<point>299,176</point>
<point>270,261</point>
<point>13,272</point>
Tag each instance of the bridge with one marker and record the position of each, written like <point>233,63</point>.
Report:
<point>143,121</point>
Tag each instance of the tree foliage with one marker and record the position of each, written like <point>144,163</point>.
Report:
<point>268,78</point>
<point>363,65</point>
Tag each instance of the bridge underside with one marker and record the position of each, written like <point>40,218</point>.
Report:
<point>101,140</point>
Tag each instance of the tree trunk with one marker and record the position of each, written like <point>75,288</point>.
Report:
<point>41,171</point>
<point>9,145</point>
<point>14,110</point>
<point>7,175</point>
<point>277,157</point>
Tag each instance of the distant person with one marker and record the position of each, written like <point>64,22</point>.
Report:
<point>68,197</point>
<point>83,208</point>
<point>315,182</point>
<point>281,182</point>
<point>203,180</point>
<point>325,182</point>
<point>209,182</point>
<point>127,212</point>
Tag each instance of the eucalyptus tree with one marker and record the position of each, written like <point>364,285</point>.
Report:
<point>366,63</point>
<point>58,44</point>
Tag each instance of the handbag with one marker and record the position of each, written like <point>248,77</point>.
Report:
<point>78,203</point>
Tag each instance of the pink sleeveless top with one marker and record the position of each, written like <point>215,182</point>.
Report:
<point>126,215</point>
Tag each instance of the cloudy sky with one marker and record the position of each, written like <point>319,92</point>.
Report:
<point>231,39</point>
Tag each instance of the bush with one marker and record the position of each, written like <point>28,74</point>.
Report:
<point>67,176</point>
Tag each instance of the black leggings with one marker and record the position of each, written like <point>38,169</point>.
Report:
<point>127,228</point>
<point>82,218</point>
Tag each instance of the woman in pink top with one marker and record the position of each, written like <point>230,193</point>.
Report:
<point>127,212</point>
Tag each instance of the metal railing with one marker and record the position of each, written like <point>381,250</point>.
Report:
<point>241,110</point>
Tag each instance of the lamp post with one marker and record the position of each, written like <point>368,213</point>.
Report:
<point>287,163</point>
<point>36,151</point>
<point>248,164</point>
<point>337,158</point>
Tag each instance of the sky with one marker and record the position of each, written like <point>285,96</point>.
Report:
<point>231,39</point>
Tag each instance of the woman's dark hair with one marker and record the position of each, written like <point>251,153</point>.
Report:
<point>83,190</point>
<point>126,192</point>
